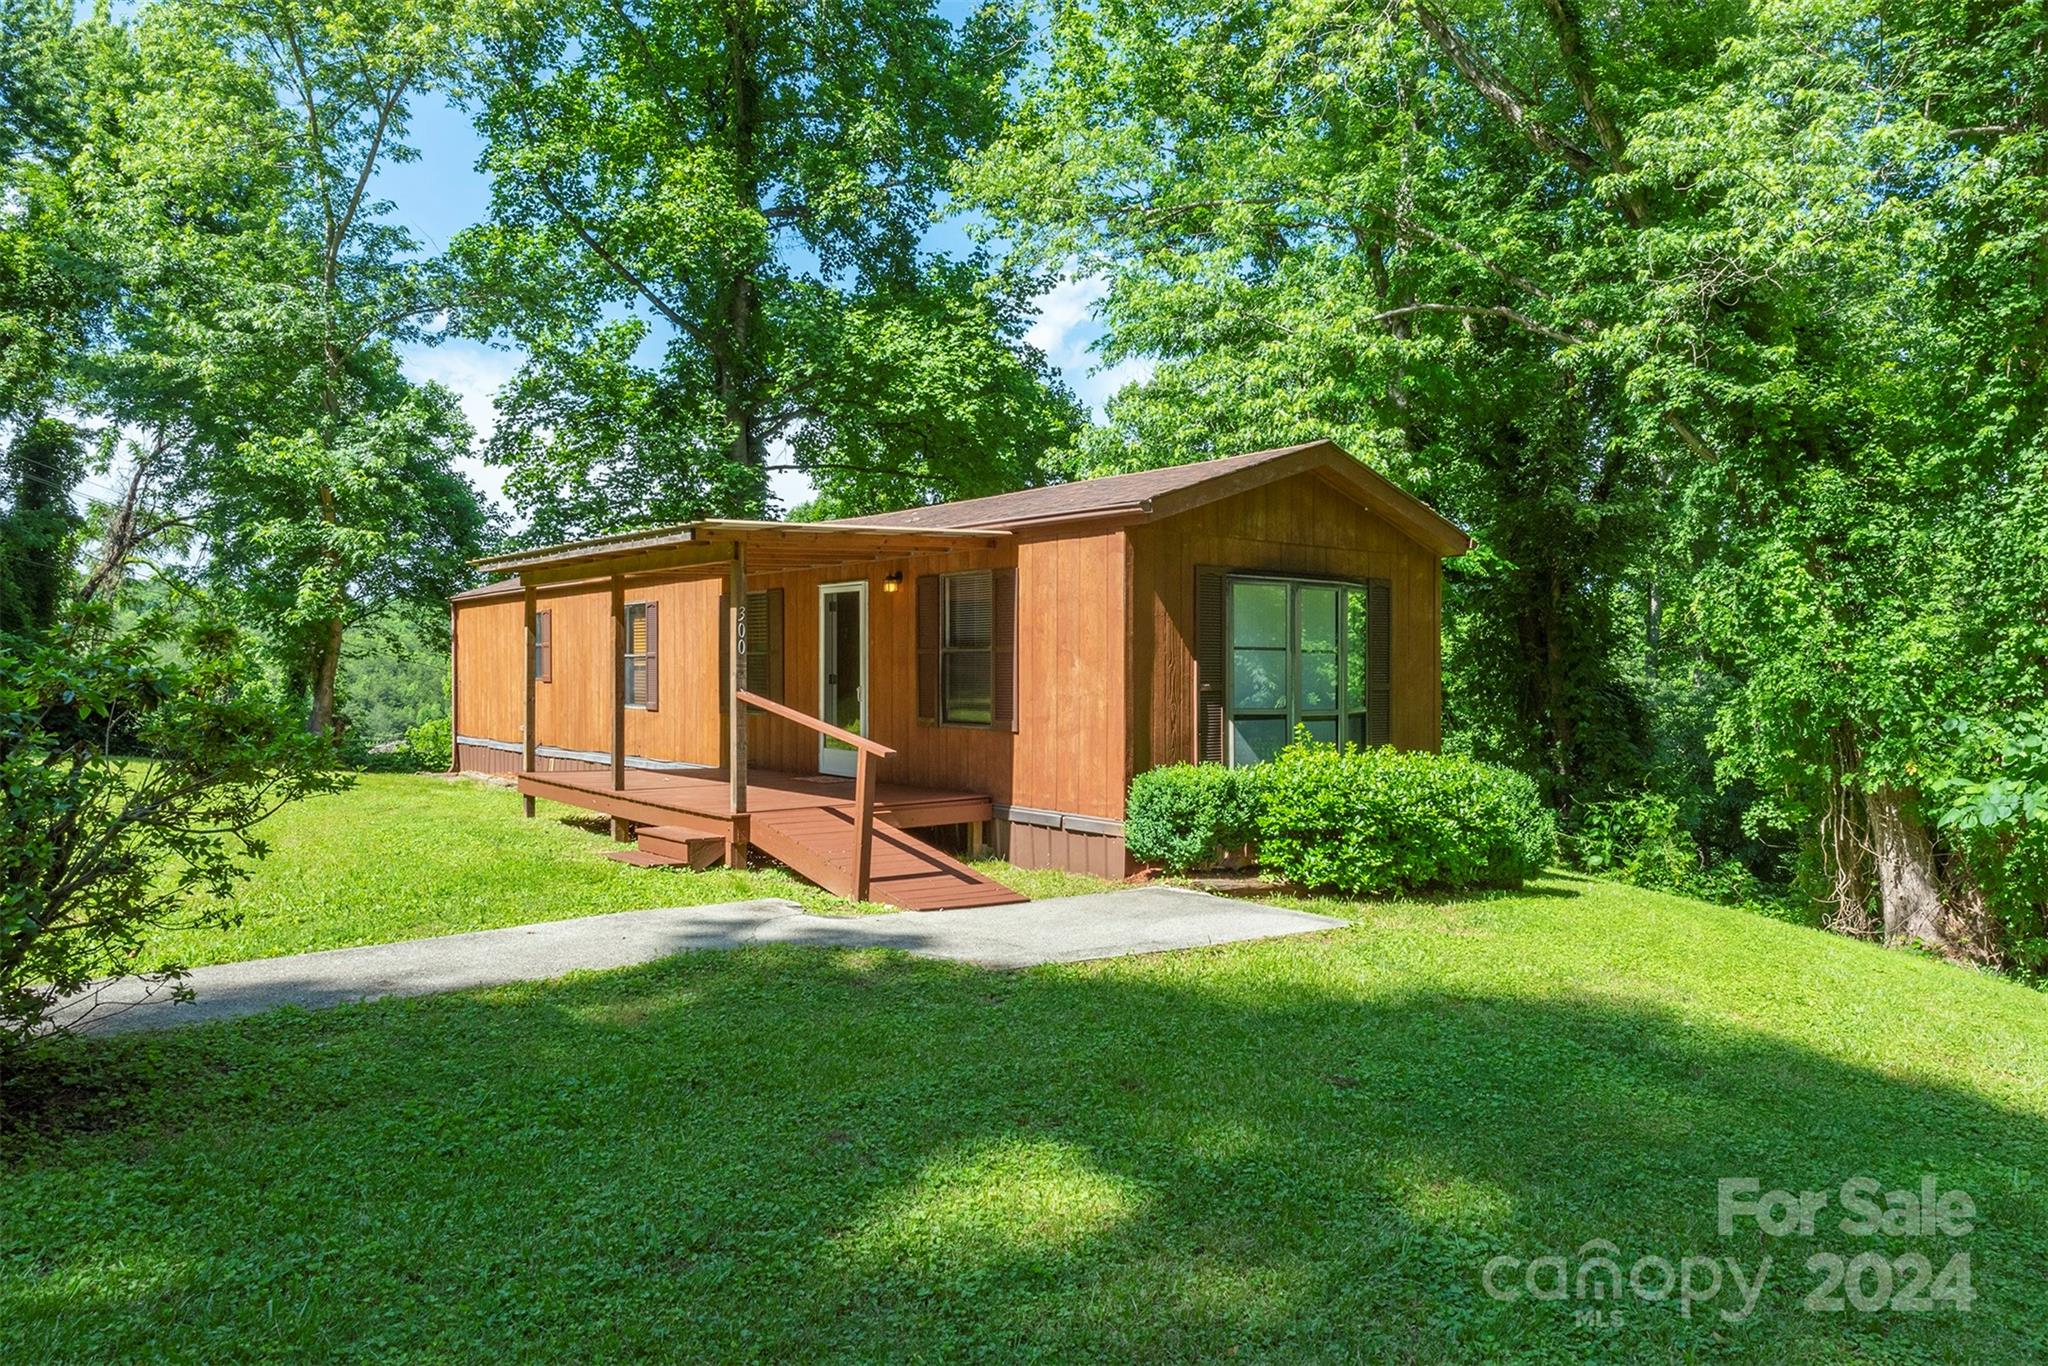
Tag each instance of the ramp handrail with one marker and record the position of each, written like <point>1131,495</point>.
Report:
<point>863,780</point>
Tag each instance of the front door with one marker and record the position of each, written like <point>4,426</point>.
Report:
<point>842,670</point>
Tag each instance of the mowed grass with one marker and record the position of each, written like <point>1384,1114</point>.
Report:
<point>1302,1149</point>
<point>405,856</point>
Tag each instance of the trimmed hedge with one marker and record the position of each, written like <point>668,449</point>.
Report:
<point>1356,821</point>
<point>1372,821</point>
<point>1186,815</point>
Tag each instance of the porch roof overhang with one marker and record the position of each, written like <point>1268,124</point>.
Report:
<point>709,546</point>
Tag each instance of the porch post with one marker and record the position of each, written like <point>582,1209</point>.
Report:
<point>454,689</point>
<point>618,684</point>
<point>526,742</point>
<point>735,710</point>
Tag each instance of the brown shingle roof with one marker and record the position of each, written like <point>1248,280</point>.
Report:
<point>488,590</point>
<point>1140,495</point>
<point>1084,497</point>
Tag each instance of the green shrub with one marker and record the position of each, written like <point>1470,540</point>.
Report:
<point>432,745</point>
<point>1642,840</point>
<point>1372,821</point>
<point>1187,815</point>
<point>428,747</point>
<point>99,850</point>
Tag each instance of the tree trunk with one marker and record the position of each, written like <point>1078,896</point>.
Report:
<point>1908,886</point>
<point>327,664</point>
<point>736,370</point>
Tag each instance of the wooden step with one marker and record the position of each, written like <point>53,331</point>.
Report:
<point>818,843</point>
<point>641,858</point>
<point>698,846</point>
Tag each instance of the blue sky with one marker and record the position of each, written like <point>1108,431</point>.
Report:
<point>442,192</point>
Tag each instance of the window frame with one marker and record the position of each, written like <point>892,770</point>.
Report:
<point>948,650</point>
<point>1343,712</point>
<point>638,666</point>
<point>542,664</point>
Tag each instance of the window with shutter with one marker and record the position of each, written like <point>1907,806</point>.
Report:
<point>544,647</point>
<point>642,652</point>
<point>967,648</point>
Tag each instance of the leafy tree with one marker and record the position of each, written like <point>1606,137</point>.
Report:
<point>97,850</point>
<point>1317,226</point>
<point>705,231</point>
<point>394,677</point>
<point>49,293</point>
<point>254,346</point>
<point>1721,318</point>
<point>39,524</point>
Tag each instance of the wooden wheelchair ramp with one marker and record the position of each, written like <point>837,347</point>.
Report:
<point>818,843</point>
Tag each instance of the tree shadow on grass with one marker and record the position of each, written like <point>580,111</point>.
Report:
<point>788,1152</point>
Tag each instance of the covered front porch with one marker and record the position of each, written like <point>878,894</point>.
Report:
<point>847,833</point>
<point>811,822</point>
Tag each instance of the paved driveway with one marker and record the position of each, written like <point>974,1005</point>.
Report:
<point>1061,930</point>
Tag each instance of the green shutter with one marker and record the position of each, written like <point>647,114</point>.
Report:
<point>928,647</point>
<point>1379,670</point>
<point>1210,582</point>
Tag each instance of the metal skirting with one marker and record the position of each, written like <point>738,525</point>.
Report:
<point>1034,844</point>
<point>478,755</point>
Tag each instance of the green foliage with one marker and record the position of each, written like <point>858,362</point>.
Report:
<point>1186,816</point>
<point>1996,810</point>
<point>394,675</point>
<point>1643,840</point>
<point>432,744</point>
<point>39,525</point>
<point>261,292</point>
<point>748,185</point>
<point>1367,822</point>
<point>97,851</point>
<point>1720,325</point>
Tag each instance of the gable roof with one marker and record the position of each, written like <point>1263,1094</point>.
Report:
<point>1150,494</point>
<point>1145,495</point>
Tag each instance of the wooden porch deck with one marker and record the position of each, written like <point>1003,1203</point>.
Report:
<point>803,820</point>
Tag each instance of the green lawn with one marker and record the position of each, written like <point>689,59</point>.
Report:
<point>1300,1149</point>
<point>406,856</point>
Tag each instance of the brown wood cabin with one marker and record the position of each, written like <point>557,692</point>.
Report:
<point>998,668</point>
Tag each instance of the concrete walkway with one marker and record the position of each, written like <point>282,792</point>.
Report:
<point>1061,930</point>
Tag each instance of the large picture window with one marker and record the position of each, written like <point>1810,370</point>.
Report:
<point>1297,658</point>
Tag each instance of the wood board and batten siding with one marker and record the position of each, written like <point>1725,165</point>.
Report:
<point>572,707</point>
<point>1065,751</point>
<point>1069,691</point>
<point>1094,584</point>
<point>1299,527</point>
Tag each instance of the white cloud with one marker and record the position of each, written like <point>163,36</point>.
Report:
<point>1067,331</point>
<point>475,373</point>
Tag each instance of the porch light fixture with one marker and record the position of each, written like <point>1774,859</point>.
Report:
<point>893,581</point>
